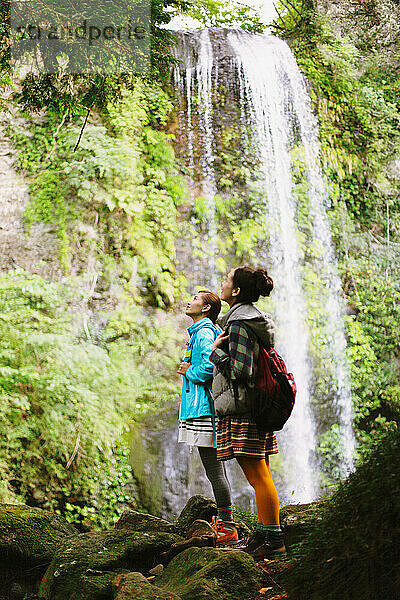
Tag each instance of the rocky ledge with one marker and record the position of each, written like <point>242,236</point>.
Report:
<point>143,557</point>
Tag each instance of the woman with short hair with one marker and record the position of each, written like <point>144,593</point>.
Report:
<point>197,413</point>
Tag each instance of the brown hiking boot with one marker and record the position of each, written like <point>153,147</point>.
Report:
<point>268,549</point>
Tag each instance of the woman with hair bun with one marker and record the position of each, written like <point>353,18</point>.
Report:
<point>235,356</point>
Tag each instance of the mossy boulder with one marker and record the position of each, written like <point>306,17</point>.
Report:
<point>353,553</point>
<point>134,586</point>
<point>210,574</point>
<point>298,520</point>
<point>89,555</point>
<point>198,507</point>
<point>29,538</point>
<point>132,519</point>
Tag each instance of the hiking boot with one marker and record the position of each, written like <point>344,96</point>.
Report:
<point>226,532</point>
<point>256,539</point>
<point>270,549</point>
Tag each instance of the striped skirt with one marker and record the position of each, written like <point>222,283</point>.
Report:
<point>238,436</point>
<point>197,432</point>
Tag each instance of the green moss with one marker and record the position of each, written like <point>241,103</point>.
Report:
<point>31,535</point>
<point>101,551</point>
<point>352,552</point>
<point>209,574</point>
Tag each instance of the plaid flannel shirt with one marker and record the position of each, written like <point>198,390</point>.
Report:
<point>240,360</point>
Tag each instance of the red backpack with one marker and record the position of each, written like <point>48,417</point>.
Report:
<point>274,391</point>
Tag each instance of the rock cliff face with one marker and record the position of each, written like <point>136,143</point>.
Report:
<point>36,251</point>
<point>370,25</point>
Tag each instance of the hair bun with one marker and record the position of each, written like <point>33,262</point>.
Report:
<point>264,283</point>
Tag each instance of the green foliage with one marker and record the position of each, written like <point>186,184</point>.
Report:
<point>355,97</point>
<point>123,174</point>
<point>350,553</point>
<point>66,402</point>
<point>216,13</point>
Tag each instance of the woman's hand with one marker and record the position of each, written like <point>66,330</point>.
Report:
<point>219,340</point>
<point>183,367</point>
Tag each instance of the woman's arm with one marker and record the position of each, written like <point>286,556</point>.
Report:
<point>240,360</point>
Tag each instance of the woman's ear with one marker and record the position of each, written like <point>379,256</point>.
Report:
<point>235,292</point>
<point>206,308</point>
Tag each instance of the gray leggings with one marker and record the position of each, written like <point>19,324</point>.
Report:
<point>215,471</point>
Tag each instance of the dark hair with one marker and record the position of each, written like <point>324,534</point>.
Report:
<point>253,283</point>
<point>214,301</point>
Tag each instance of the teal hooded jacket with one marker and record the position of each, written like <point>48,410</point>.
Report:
<point>196,386</point>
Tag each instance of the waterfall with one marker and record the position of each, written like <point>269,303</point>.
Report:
<point>280,133</point>
<point>202,77</point>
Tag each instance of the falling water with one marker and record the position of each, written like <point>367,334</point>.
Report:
<point>276,118</point>
<point>202,77</point>
<point>279,105</point>
<point>262,85</point>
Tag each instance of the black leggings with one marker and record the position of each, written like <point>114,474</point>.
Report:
<point>215,471</point>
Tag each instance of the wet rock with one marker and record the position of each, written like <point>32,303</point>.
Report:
<point>132,519</point>
<point>157,570</point>
<point>298,520</point>
<point>210,574</point>
<point>95,585</point>
<point>134,586</point>
<point>198,507</point>
<point>29,538</point>
<point>199,534</point>
<point>201,528</point>
<point>84,559</point>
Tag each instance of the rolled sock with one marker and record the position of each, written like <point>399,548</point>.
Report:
<point>225,513</point>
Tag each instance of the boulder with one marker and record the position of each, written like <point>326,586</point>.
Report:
<point>199,534</point>
<point>137,521</point>
<point>29,538</point>
<point>298,520</point>
<point>198,507</point>
<point>210,574</point>
<point>86,557</point>
<point>96,585</point>
<point>134,586</point>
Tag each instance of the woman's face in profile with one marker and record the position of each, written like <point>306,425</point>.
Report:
<point>227,286</point>
<point>195,306</point>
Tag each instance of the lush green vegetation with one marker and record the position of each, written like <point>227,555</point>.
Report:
<point>80,361</point>
<point>122,178</point>
<point>352,553</point>
<point>67,398</point>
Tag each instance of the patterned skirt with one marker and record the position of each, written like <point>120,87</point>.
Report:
<point>197,432</point>
<point>238,436</point>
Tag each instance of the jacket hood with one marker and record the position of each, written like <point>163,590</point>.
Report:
<point>204,322</point>
<point>261,323</point>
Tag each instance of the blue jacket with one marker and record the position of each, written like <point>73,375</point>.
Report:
<point>196,388</point>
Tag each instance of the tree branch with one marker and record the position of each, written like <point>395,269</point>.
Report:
<point>88,113</point>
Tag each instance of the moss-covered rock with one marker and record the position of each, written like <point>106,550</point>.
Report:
<point>95,585</point>
<point>136,521</point>
<point>353,553</point>
<point>210,574</point>
<point>87,554</point>
<point>134,586</point>
<point>298,520</point>
<point>198,507</point>
<point>31,534</point>
<point>29,538</point>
